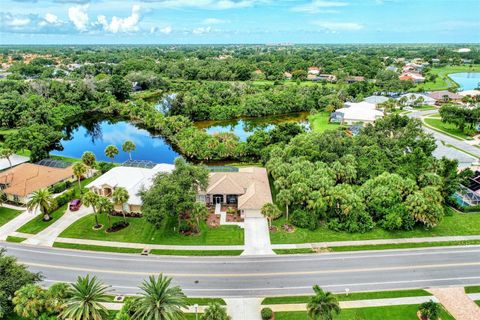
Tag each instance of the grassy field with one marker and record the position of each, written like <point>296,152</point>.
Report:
<point>449,128</point>
<point>319,122</point>
<point>7,214</point>
<point>15,239</point>
<point>407,312</point>
<point>443,82</point>
<point>457,224</point>
<point>196,252</point>
<point>141,231</point>
<point>95,248</point>
<point>472,289</point>
<point>351,296</point>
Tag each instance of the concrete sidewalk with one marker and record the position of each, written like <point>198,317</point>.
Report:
<point>257,237</point>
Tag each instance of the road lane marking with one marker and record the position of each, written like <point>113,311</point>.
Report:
<point>259,274</point>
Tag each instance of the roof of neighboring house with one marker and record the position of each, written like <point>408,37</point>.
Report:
<point>14,159</point>
<point>472,93</point>
<point>356,78</point>
<point>133,179</point>
<point>313,68</point>
<point>426,99</point>
<point>26,178</point>
<point>361,111</point>
<point>438,95</point>
<point>376,99</point>
<point>405,78</point>
<point>250,183</point>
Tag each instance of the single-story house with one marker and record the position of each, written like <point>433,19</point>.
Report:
<point>133,179</point>
<point>361,112</point>
<point>355,79</point>
<point>248,189</point>
<point>445,96</point>
<point>326,77</point>
<point>376,99</point>
<point>15,160</point>
<point>314,70</point>
<point>412,97</point>
<point>471,93</point>
<point>18,183</point>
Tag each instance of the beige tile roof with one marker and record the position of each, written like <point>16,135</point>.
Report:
<point>26,178</point>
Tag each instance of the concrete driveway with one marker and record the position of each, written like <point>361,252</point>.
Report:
<point>257,237</point>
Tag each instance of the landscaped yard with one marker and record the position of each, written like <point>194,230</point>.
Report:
<point>407,312</point>
<point>457,224</point>
<point>319,122</point>
<point>443,82</point>
<point>7,214</point>
<point>141,231</point>
<point>449,128</point>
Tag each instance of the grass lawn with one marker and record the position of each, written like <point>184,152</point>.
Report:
<point>196,252</point>
<point>15,239</point>
<point>407,312</point>
<point>449,128</point>
<point>405,245</point>
<point>319,122</point>
<point>205,301</point>
<point>478,302</point>
<point>95,248</point>
<point>472,289</point>
<point>455,225</point>
<point>141,231</point>
<point>351,296</point>
<point>443,82</point>
<point>7,214</point>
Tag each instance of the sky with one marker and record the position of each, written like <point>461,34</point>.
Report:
<point>238,21</point>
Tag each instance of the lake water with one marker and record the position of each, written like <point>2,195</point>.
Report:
<point>466,80</point>
<point>96,135</point>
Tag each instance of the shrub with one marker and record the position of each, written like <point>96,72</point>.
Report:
<point>65,197</point>
<point>266,314</point>
<point>58,187</point>
<point>304,219</point>
<point>105,166</point>
<point>117,226</point>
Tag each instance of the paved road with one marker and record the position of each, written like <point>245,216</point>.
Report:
<point>263,276</point>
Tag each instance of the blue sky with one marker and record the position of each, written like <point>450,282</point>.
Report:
<point>238,21</point>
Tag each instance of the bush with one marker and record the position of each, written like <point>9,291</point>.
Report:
<point>58,187</point>
<point>65,197</point>
<point>304,219</point>
<point>105,166</point>
<point>117,226</point>
<point>266,314</point>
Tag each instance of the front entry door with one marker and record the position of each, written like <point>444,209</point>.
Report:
<point>218,198</point>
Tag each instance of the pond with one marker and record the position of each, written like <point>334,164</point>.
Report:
<point>95,135</point>
<point>245,127</point>
<point>466,80</point>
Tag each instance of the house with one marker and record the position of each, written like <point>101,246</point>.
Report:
<point>361,112</point>
<point>354,79</point>
<point>15,160</point>
<point>133,179</point>
<point>376,100</point>
<point>314,70</point>
<point>445,96</point>
<point>471,93</point>
<point>312,77</point>
<point>411,99</point>
<point>412,76</point>
<point>287,75</point>
<point>326,77</point>
<point>391,68</point>
<point>336,117</point>
<point>405,77</point>
<point>247,189</point>
<point>18,183</point>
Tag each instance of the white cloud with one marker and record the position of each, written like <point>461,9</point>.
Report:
<point>319,6</point>
<point>166,30</point>
<point>213,21</point>
<point>51,18</point>
<point>339,26</point>
<point>208,4</point>
<point>201,30</point>
<point>128,24</point>
<point>79,17</point>
<point>18,22</point>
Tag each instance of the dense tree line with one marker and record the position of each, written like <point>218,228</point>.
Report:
<point>465,119</point>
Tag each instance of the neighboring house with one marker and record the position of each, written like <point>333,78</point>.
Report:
<point>376,99</point>
<point>412,97</point>
<point>354,79</point>
<point>445,96</point>
<point>311,77</point>
<point>20,182</point>
<point>248,189</point>
<point>14,159</point>
<point>471,93</point>
<point>361,112</point>
<point>287,75</point>
<point>133,179</point>
<point>405,77</point>
<point>314,70</point>
<point>327,77</point>
<point>391,68</point>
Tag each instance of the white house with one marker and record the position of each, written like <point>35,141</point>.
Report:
<point>376,99</point>
<point>133,179</point>
<point>361,112</point>
<point>412,97</point>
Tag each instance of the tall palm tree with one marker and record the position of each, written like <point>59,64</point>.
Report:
<point>111,151</point>
<point>41,199</point>
<point>105,206</point>
<point>79,170</point>
<point>90,199</point>
<point>271,212</point>
<point>199,212</point>
<point>285,197</point>
<point>88,159</point>
<point>322,305</point>
<point>87,294</point>
<point>215,311</point>
<point>159,301</point>
<point>120,196</point>
<point>128,146</point>
<point>6,153</point>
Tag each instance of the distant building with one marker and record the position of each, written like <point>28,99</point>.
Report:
<point>464,50</point>
<point>471,93</point>
<point>361,112</point>
<point>287,75</point>
<point>391,68</point>
<point>412,97</point>
<point>376,99</point>
<point>445,96</point>
<point>14,161</point>
<point>326,77</point>
<point>354,79</point>
<point>314,70</point>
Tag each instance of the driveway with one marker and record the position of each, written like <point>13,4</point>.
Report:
<point>257,237</point>
<point>11,226</point>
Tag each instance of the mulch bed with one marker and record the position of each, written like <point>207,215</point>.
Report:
<point>273,229</point>
<point>213,220</point>
<point>288,228</point>
<point>233,217</point>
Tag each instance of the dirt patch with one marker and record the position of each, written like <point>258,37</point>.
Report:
<point>288,228</point>
<point>273,229</point>
<point>99,227</point>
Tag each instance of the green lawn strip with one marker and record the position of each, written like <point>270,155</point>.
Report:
<point>405,245</point>
<point>95,248</point>
<point>196,252</point>
<point>461,150</point>
<point>405,312</point>
<point>37,224</point>
<point>472,289</point>
<point>447,128</point>
<point>478,302</point>
<point>7,214</point>
<point>319,122</point>
<point>294,251</point>
<point>456,224</point>
<point>205,301</point>
<point>351,296</point>
<point>141,231</point>
<point>15,239</point>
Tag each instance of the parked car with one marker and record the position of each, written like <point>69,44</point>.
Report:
<point>75,204</point>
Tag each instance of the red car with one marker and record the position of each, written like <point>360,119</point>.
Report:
<point>75,204</point>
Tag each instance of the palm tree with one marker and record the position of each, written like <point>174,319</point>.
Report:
<point>2,195</point>
<point>271,212</point>
<point>285,198</point>
<point>88,159</point>
<point>215,311</point>
<point>79,170</point>
<point>120,196</point>
<point>90,199</point>
<point>41,199</point>
<point>29,301</point>
<point>111,151</point>
<point>199,212</point>
<point>56,296</point>
<point>429,310</point>
<point>159,301</point>
<point>105,206</point>
<point>322,305</point>
<point>85,302</point>
<point>6,153</point>
<point>128,146</point>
